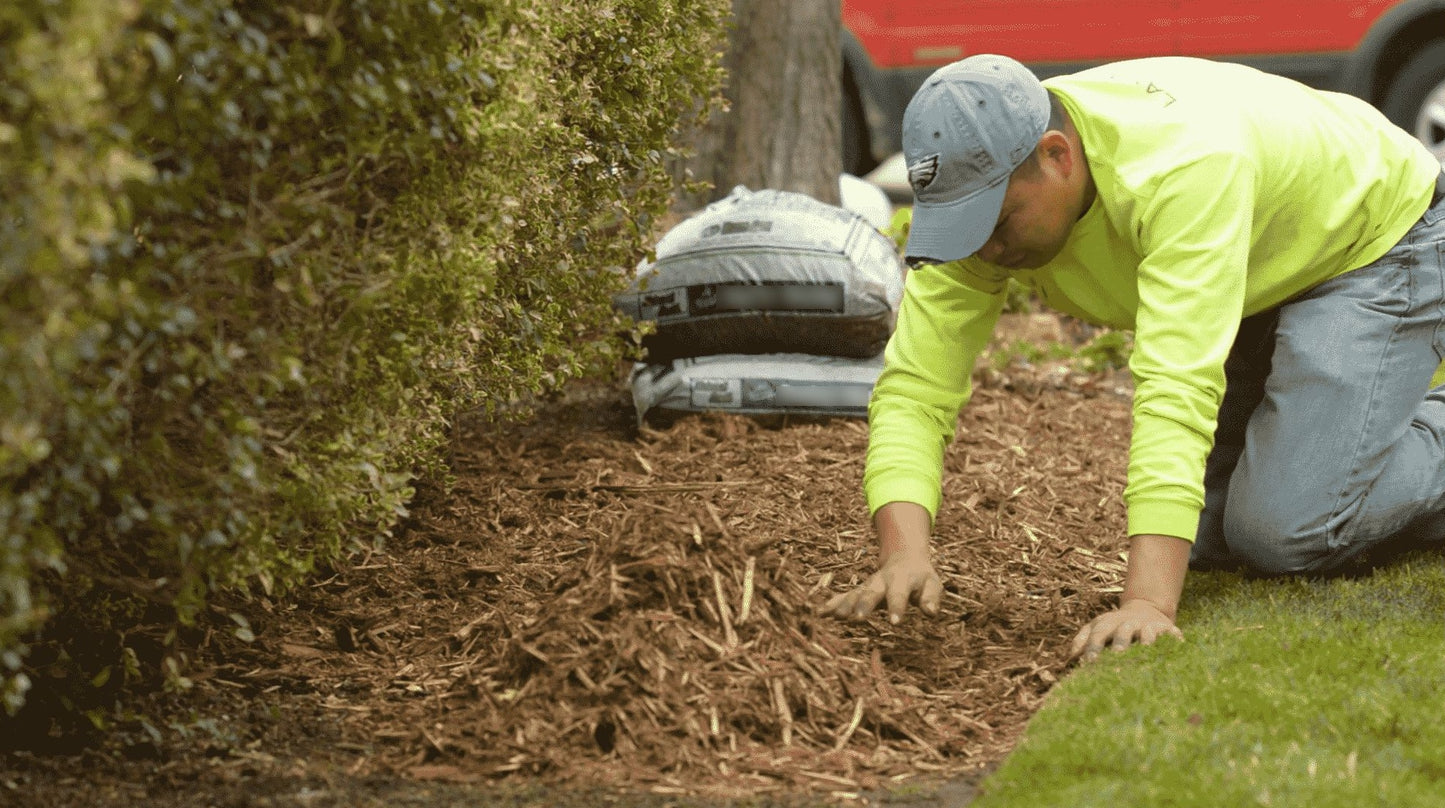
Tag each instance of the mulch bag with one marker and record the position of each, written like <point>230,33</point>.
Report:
<point>768,272</point>
<point>757,384</point>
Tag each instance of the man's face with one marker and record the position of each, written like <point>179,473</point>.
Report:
<point>1039,210</point>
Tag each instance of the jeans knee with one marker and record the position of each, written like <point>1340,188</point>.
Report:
<point>1268,543</point>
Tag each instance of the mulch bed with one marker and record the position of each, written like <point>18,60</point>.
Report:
<point>598,603</point>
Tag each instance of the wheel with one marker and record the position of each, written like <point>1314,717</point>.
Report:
<point>1416,98</point>
<point>857,154</point>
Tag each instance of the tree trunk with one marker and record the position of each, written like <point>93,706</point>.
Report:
<point>782,129</point>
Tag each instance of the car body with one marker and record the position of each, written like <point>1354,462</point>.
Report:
<point>1389,52</point>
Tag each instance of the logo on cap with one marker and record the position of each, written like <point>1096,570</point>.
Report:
<point>922,173</point>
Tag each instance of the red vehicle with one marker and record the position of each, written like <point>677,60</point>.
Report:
<point>1389,52</point>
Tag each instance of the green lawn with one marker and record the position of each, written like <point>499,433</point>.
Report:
<point>1285,693</point>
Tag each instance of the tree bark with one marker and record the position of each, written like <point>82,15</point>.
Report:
<point>782,128</point>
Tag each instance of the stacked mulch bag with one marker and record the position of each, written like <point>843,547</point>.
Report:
<point>766,302</point>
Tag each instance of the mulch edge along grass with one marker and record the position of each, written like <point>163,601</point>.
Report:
<point>1286,692</point>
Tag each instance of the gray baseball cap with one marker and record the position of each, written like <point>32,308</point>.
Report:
<point>965,130</point>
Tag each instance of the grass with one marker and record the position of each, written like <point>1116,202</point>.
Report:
<point>1286,693</point>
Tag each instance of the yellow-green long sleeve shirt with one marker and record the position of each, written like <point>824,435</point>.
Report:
<point>1221,192</point>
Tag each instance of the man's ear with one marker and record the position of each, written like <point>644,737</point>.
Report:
<point>1054,149</point>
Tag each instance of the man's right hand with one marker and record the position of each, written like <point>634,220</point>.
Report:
<point>903,578</point>
<point>905,573</point>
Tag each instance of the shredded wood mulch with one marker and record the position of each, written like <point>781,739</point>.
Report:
<point>598,603</point>
<point>595,601</point>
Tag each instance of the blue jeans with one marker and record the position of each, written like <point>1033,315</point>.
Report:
<point>1329,442</point>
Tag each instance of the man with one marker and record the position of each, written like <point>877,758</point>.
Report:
<point>1279,253</point>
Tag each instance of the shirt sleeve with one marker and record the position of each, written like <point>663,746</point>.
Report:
<point>1194,232</point>
<point>945,320</point>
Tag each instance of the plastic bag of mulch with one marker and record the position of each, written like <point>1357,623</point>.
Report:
<point>757,384</point>
<point>768,272</point>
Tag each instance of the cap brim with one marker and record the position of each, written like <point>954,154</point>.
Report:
<point>948,231</point>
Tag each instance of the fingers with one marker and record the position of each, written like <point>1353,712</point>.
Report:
<point>1149,633</point>
<point>898,596</point>
<point>1088,642</point>
<point>931,596</point>
<point>835,604</point>
<point>869,595</point>
<point>1096,634</point>
<point>858,602</point>
<point>1153,631</point>
<point>893,589</point>
<point>1117,631</point>
<point>1081,640</point>
<point>1124,636</point>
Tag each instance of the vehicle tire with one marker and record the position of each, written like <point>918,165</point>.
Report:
<point>1416,98</point>
<point>857,154</point>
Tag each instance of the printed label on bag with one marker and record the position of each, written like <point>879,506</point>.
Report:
<point>718,298</point>
<point>710,393</point>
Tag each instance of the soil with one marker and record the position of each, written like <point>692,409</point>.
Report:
<point>602,613</point>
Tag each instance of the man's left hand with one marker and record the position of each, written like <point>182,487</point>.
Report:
<point>1134,621</point>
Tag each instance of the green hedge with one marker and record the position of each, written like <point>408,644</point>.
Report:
<point>255,258</point>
